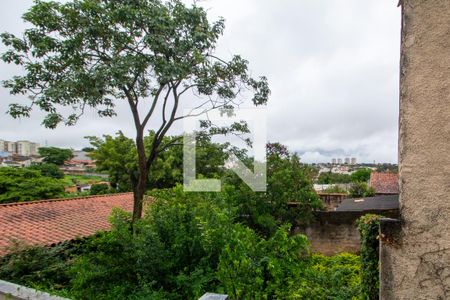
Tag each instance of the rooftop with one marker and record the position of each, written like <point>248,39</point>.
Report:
<point>49,222</point>
<point>384,183</point>
<point>387,202</point>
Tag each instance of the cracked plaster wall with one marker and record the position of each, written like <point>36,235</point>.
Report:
<point>417,264</point>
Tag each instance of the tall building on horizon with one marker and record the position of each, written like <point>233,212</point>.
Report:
<point>24,148</point>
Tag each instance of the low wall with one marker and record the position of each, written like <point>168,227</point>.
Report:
<point>335,232</point>
<point>11,291</point>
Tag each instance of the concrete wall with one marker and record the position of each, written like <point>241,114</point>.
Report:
<point>335,232</point>
<point>11,291</point>
<point>415,258</point>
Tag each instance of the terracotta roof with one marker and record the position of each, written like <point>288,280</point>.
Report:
<point>384,183</point>
<point>48,222</point>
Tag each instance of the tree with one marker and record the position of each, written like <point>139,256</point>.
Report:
<point>148,53</point>
<point>287,184</point>
<point>56,156</point>
<point>331,178</point>
<point>48,170</point>
<point>361,175</point>
<point>87,149</point>
<point>18,185</point>
<point>117,156</point>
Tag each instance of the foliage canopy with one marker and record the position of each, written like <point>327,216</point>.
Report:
<point>24,184</point>
<point>54,155</point>
<point>157,56</point>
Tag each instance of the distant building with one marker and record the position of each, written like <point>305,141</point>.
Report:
<point>353,160</point>
<point>333,161</point>
<point>23,148</point>
<point>347,160</point>
<point>384,183</point>
<point>3,146</point>
<point>11,147</point>
<point>339,160</point>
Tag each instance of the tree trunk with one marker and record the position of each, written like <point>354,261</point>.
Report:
<point>141,183</point>
<point>138,195</point>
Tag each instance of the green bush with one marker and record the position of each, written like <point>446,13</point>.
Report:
<point>361,189</point>
<point>48,170</point>
<point>99,189</point>
<point>368,227</point>
<point>332,178</point>
<point>361,175</point>
<point>43,268</point>
<point>18,185</point>
<point>187,244</point>
<point>253,268</point>
<point>329,277</point>
<point>335,189</point>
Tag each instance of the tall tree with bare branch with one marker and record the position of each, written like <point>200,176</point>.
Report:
<point>157,56</point>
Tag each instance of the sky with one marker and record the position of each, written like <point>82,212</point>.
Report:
<point>332,67</point>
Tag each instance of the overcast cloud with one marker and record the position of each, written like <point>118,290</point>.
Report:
<point>332,67</point>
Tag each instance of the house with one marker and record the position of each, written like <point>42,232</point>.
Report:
<point>49,222</point>
<point>384,183</point>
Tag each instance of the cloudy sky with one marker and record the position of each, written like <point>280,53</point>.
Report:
<point>332,67</point>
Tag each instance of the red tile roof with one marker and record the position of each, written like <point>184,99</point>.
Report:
<point>50,222</point>
<point>384,183</point>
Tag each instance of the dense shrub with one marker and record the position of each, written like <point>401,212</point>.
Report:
<point>99,189</point>
<point>253,268</point>
<point>287,182</point>
<point>48,170</point>
<point>368,226</point>
<point>361,189</point>
<point>24,184</point>
<point>187,244</point>
<point>332,178</point>
<point>44,268</point>
<point>361,175</point>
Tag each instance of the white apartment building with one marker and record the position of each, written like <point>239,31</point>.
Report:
<point>24,148</point>
<point>3,146</point>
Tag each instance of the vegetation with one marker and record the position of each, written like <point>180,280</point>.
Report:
<point>361,189</point>
<point>81,179</point>
<point>387,168</point>
<point>117,156</point>
<point>369,226</point>
<point>332,178</point>
<point>17,185</point>
<point>147,53</point>
<point>335,189</point>
<point>100,189</point>
<point>56,156</point>
<point>361,175</point>
<point>185,245</point>
<point>48,170</point>
<point>287,182</point>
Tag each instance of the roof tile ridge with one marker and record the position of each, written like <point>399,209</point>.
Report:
<point>62,199</point>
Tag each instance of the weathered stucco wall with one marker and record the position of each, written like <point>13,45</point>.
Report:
<point>415,260</point>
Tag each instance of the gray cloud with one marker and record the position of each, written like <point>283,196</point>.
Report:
<point>332,67</point>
